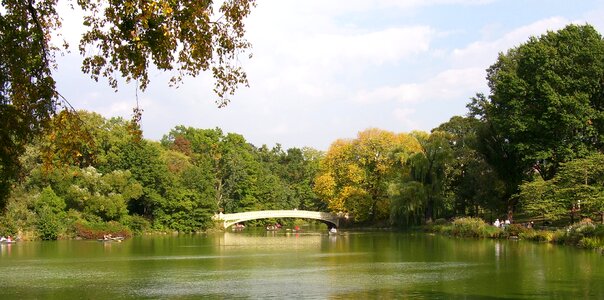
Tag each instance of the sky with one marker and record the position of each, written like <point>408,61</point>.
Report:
<point>326,70</point>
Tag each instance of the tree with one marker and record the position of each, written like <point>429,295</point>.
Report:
<point>474,183</point>
<point>355,174</point>
<point>498,153</point>
<point>143,160</point>
<point>546,106</point>
<point>580,183</point>
<point>123,39</point>
<point>427,167</point>
<point>50,210</point>
<point>547,98</point>
<point>538,198</point>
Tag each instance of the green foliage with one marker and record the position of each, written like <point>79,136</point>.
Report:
<point>27,89</point>
<point>136,223</point>
<point>515,230</point>
<point>50,210</point>
<point>578,187</point>
<point>123,39</point>
<point>591,243</point>
<point>96,230</point>
<point>18,216</point>
<point>539,199</point>
<point>476,187</point>
<point>473,227</point>
<point>537,235</point>
<point>186,212</point>
<point>48,200</point>
<point>546,97</point>
<point>428,168</point>
<point>584,234</point>
<point>48,225</point>
<point>544,108</point>
<point>103,195</point>
<point>408,200</point>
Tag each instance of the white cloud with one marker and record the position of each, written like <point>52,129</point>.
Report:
<point>361,48</point>
<point>323,70</point>
<point>485,53</point>
<point>404,117</point>
<point>448,85</point>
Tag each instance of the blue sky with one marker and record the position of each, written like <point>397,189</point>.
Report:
<point>325,70</point>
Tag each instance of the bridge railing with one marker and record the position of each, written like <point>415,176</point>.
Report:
<point>230,219</point>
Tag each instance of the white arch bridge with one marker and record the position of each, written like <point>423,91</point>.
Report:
<point>231,219</point>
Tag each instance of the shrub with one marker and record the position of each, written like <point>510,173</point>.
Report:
<point>515,230</point>
<point>578,231</point>
<point>48,225</point>
<point>590,243</point>
<point>96,230</point>
<point>440,221</point>
<point>473,227</point>
<point>136,223</point>
<point>537,236</point>
<point>559,237</point>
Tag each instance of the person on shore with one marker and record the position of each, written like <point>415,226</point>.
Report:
<point>497,223</point>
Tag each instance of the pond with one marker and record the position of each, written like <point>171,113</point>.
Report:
<point>308,264</point>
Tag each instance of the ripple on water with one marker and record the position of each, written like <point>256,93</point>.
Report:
<point>307,282</point>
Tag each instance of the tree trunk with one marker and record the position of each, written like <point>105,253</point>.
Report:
<point>428,213</point>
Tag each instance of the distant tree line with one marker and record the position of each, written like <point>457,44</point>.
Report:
<point>531,147</point>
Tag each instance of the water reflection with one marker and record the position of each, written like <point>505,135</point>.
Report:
<point>309,264</point>
<point>6,249</point>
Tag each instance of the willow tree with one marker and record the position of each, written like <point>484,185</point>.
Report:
<point>122,39</point>
<point>422,190</point>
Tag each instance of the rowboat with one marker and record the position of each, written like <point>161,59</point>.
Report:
<point>112,239</point>
<point>4,240</point>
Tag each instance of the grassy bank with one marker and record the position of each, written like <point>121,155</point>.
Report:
<point>585,234</point>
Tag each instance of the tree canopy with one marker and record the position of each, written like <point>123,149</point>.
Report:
<point>547,98</point>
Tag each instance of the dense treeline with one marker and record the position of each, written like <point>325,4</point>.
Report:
<point>89,172</point>
<point>532,146</point>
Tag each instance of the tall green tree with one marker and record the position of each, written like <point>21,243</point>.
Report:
<point>428,170</point>
<point>546,106</point>
<point>547,98</point>
<point>474,183</point>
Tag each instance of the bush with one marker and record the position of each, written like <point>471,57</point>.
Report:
<point>584,234</point>
<point>97,230</point>
<point>537,236</point>
<point>590,243</point>
<point>136,223</point>
<point>49,225</point>
<point>473,227</point>
<point>559,237</point>
<point>440,221</point>
<point>515,230</point>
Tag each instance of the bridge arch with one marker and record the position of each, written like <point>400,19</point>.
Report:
<point>231,219</point>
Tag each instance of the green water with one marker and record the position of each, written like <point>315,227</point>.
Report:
<point>282,265</point>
